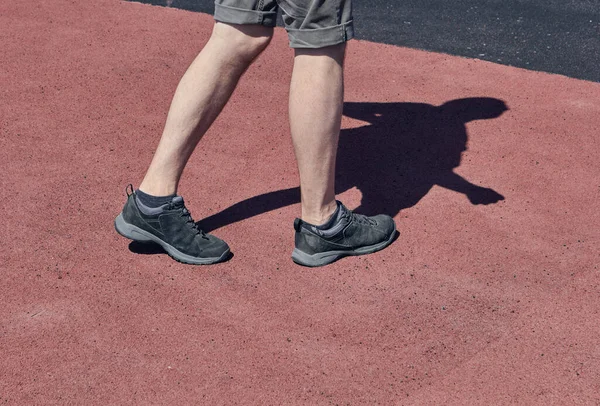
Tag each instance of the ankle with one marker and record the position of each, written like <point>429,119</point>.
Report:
<point>158,189</point>
<point>319,216</point>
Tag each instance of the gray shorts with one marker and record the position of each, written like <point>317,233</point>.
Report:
<point>309,23</point>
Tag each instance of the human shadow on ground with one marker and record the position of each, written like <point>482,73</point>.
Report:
<point>394,161</point>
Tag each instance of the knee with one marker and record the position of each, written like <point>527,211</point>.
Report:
<point>246,42</point>
<point>250,47</point>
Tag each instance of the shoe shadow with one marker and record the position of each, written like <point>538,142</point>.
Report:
<point>151,248</point>
<point>146,248</point>
<point>394,161</point>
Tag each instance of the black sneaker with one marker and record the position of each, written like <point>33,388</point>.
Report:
<point>172,227</point>
<point>351,234</point>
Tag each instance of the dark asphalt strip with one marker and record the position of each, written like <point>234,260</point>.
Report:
<point>558,36</point>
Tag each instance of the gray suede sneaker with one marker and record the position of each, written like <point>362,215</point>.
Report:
<point>350,234</point>
<point>172,227</point>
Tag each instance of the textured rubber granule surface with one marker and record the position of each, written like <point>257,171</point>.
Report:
<point>475,303</point>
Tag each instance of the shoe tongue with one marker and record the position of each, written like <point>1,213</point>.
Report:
<point>177,201</point>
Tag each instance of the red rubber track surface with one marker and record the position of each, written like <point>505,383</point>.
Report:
<point>473,304</point>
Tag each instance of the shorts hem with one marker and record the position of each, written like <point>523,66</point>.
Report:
<point>321,37</point>
<point>233,15</point>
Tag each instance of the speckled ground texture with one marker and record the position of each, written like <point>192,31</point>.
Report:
<point>489,296</point>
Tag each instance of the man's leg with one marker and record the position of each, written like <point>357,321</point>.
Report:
<point>316,100</point>
<point>155,213</point>
<point>200,96</point>
<point>327,230</point>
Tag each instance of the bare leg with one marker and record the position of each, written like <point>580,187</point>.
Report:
<point>200,96</point>
<point>316,101</point>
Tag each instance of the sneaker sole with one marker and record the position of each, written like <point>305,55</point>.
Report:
<point>137,234</point>
<point>327,257</point>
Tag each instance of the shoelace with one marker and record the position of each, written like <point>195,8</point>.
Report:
<point>189,220</point>
<point>359,218</point>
